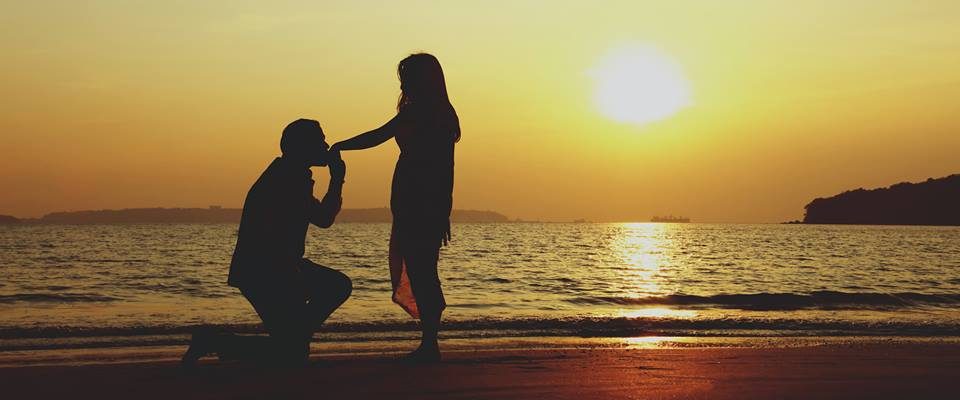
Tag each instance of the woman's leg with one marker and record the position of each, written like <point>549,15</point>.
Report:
<point>421,265</point>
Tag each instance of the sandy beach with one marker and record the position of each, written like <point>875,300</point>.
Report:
<point>896,370</point>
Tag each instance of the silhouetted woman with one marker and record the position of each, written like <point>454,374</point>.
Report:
<point>425,128</point>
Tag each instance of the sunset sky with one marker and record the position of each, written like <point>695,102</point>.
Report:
<point>115,104</point>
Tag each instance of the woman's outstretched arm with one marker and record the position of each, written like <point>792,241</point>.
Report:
<point>372,138</point>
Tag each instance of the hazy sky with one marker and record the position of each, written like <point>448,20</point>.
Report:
<point>113,104</point>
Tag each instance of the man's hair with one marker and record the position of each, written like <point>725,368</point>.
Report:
<point>300,135</point>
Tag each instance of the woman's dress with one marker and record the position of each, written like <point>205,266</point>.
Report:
<point>420,201</point>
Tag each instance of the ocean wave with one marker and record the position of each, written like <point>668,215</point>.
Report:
<point>826,300</point>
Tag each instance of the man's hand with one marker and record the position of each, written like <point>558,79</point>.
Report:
<point>445,233</point>
<point>338,169</point>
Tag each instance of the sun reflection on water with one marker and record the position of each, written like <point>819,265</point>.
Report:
<point>657,312</point>
<point>641,250</point>
<point>646,341</point>
<point>641,247</point>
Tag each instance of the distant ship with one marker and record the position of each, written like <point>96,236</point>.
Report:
<point>670,218</point>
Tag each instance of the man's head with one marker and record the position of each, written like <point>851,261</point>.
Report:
<point>304,141</point>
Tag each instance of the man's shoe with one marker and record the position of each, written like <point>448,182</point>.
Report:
<point>201,344</point>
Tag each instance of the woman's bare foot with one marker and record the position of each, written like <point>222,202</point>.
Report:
<point>427,353</point>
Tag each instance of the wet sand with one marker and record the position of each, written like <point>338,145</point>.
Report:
<point>875,370</point>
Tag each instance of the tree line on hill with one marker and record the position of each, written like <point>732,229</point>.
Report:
<point>216,214</point>
<point>933,202</point>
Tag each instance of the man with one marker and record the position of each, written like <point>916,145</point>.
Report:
<point>292,295</point>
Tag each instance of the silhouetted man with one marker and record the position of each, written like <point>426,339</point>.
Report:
<point>292,295</point>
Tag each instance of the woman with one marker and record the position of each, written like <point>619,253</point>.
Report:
<point>425,127</point>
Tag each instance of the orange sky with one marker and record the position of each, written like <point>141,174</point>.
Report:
<point>113,104</point>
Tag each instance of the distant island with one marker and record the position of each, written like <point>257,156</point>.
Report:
<point>933,202</point>
<point>216,214</point>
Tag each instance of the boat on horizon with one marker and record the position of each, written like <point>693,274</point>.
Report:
<point>670,219</point>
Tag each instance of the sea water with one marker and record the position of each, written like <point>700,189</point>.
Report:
<point>64,285</point>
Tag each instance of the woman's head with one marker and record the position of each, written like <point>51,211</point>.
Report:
<point>422,83</point>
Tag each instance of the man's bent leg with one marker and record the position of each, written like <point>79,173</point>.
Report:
<point>282,313</point>
<point>327,289</point>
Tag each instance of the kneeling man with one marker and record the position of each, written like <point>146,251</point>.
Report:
<point>292,295</point>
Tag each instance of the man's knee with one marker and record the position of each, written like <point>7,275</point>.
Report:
<point>344,286</point>
<point>328,283</point>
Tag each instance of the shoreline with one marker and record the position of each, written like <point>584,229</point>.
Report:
<point>894,369</point>
<point>388,348</point>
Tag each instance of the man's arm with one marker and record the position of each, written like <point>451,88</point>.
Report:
<point>325,211</point>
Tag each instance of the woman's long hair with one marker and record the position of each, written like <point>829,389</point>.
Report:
<point>422,83</point>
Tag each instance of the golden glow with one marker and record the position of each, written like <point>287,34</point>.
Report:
<point>113,104</point>
<point>647,342</point>
<point>658,312</point>
<point>639,84</point>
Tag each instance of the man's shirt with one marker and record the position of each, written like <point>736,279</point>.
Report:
<point>276,214</point>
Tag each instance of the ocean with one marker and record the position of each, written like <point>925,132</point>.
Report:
<point>132,285</point>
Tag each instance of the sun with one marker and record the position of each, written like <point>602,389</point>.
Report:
<point>639,84</point>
